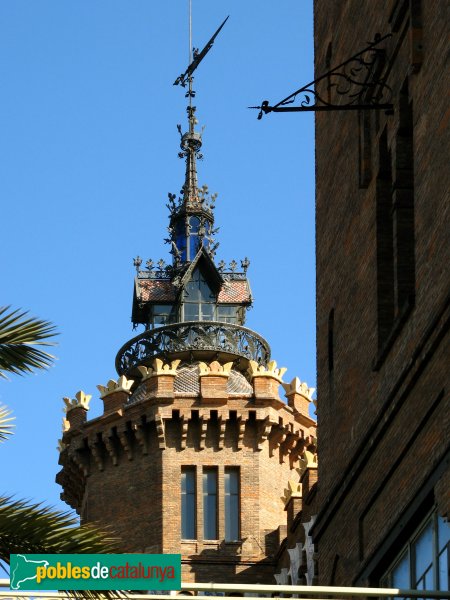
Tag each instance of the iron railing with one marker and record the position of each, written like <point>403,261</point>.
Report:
<point>207,338</point>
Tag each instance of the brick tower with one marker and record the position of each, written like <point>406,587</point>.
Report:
<point>195,446</point>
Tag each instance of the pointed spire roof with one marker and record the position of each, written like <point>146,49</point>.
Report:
<point>190,145</point>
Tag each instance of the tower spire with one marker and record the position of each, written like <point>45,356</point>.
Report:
<point>192,218</point>
<point>191,141</point>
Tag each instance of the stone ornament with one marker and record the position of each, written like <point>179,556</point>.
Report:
<point>256,370</point>
<point>307,460</point>
<point>81,400</point>
<point>159,368</point>
<point>294,489</point>
<point>121,385</point>
<point>298,387</point>
<point>215,368</point>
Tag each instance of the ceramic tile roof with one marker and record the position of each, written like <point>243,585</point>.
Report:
<point>235,292</point>
<point>157,290</point>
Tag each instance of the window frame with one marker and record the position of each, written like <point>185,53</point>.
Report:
<point>188,470</point>
<point>410,548</point>
<point>232,470</point>
<point>207,536</point>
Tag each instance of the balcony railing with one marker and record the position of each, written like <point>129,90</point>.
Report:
<point>204,340</point>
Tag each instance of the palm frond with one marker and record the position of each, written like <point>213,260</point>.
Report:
<point>27,528</point>
<point>18,336</point>
<point>6,426</point>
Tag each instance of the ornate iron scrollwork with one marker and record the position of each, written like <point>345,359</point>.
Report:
<point>356,84</point>
<point>189,337</point>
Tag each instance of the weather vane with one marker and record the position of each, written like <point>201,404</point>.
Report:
<point>195,57</point>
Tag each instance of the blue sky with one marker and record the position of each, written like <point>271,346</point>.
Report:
<point>88,153</point>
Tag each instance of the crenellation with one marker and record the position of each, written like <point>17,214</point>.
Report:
<point>76,410</point>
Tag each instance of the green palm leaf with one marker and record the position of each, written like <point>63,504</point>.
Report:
<point>37,529</point>
<point>18,336</point>
<point>5,422</point>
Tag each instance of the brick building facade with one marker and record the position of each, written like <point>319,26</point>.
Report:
<point>382,208</point>
<point>195,446</point>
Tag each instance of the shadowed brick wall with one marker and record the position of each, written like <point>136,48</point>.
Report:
<point>382,208</point>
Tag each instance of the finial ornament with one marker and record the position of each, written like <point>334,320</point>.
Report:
<point>137,262</point>
<point>81,400</point>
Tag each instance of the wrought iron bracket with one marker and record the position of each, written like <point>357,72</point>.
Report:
<point>359,83</point>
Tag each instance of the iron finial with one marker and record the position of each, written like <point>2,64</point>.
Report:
<point>137,262</point>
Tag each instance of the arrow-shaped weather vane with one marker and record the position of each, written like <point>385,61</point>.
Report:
<point>198,57</point>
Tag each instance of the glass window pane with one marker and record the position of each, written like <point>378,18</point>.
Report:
<point>207,312</point>
<point>162,309</point>
<point>194,244</point>
<point>227,314</point>
<point>191,312</point>
<point>210,504</point>
<point>192,292</point>
<point>443,570</point>
<point>400,573</point>
<point>443,532</point>
<point>180,239</point>
<point>231,504</point>
<point>423,551</point>
<point>194,223</point>
<point>206,294</point>
<point>188,504</point>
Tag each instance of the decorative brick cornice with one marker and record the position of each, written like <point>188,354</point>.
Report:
<point>121,385</point>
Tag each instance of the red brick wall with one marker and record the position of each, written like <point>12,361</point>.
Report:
<point>381,430</point>
<point>124,470</point>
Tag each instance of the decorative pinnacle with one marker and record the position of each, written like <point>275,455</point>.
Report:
<point>137,262</point>
<point>81,400</point>
<point>121,385</point>
<point>191,142</point>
